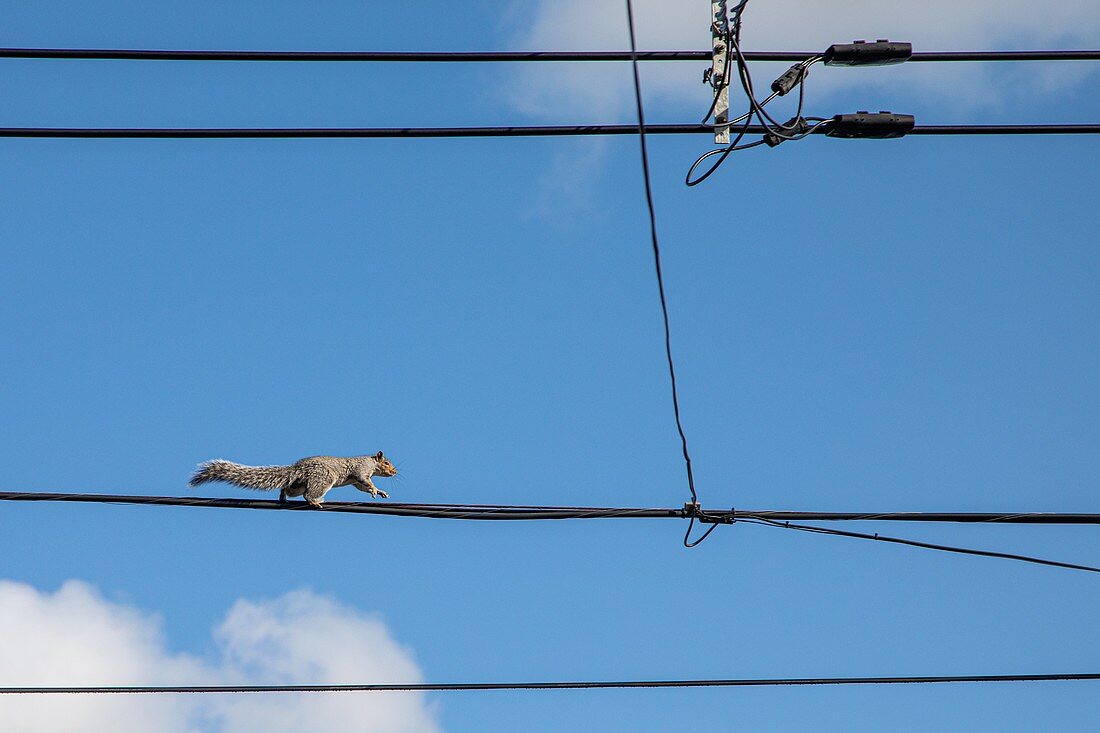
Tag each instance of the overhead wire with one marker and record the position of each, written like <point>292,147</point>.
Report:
<point>660,279</point>
<point>791,130</point>
<point>538,512</point>
<point>133,54</point>
<point>565,685</point>
<point>488,512</point>
<point>489,131</point>
<point>504,512</point>
<point>922,545</point>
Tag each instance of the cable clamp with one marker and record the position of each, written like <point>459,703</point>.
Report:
<point>694,511</point>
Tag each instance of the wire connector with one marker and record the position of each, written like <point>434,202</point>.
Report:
<point>865,124</point>
<point>692,510</point>
<point>862,53</point>
<point>790,79</point>
<point>794,127</point>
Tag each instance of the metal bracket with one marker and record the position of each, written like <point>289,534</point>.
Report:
<point>719,29</point>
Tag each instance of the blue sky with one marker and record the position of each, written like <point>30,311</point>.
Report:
<point>858,325</point>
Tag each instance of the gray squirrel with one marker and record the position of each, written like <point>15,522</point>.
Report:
<point>310,477</point>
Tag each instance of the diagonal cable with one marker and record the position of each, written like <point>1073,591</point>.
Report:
<point>660,278</point>
<point>922,545</point>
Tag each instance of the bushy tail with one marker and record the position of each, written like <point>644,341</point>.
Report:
<point>264,478</point>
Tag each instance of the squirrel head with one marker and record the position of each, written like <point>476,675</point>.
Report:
<point>383,467</point>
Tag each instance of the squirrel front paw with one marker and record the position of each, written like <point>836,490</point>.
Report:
<point>379,494</point>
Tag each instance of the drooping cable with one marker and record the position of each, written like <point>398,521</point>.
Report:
<point>660,278</point>
<point>775,132</point>
<point>923,545</point>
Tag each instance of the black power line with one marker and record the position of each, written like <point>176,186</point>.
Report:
<point>499,56</point>
<point>497,131</point>
<point>490,512</point>
<point>1088,129</point>
<point>660,278</point>
<point>576,685</point>
<point>933,517</point>
<point>1004,56</point>
<point>502,512</point>
<point>360,56</point>
<point>538,512</point>
<point>926,545</point>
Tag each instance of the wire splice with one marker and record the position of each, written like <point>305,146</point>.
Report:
<point>864,124</point>
<point>790,79</point>
<point>773,130</point>
<point>862,53</point>
<point>796,126</point>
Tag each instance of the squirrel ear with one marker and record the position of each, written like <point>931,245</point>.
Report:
<point>379,456</point>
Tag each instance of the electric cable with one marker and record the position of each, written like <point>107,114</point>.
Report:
<point>506,512</point>
<point>660,278</point>
<point>570,685</point>
<point>923,545</point>
<point>494,131</point>
<point>107,54</point>
<point>538,512</point>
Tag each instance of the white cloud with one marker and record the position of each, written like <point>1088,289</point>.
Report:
<point>76,637</point>
<point>595,91</point>
<point>302,637</point>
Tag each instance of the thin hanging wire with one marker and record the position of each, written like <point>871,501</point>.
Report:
<point>660,278</point>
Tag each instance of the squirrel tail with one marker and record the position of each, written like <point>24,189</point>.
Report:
<point>264,478</point>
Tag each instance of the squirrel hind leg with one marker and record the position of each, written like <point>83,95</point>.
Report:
<point>315,492</point>
<point>293,490</point>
